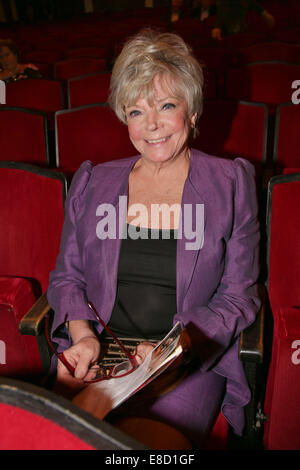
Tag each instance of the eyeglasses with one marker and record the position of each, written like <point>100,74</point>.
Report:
<point>99,371</point>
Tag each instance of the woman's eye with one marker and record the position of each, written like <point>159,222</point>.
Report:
<point>134,113</point>
<point>169,106</point>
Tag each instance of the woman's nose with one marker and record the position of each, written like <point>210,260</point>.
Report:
<point>153,120</point>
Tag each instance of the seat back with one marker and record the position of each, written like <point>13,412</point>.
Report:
<point>41,420</point>
<point>90,132</point>
<point>264,82</point>
<point>286,152</point>
<point>282,400</point>
<point>88,89</point>
<point>270,51</point>
<point>234,129</point>
<point>32,214</point>
<point>43,95</point>
<point>283,230</point>
<point>65,69</point>
<point>24,135</point>
<point>88,51</point>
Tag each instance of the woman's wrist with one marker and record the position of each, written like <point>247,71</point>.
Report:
<point>80,329</point>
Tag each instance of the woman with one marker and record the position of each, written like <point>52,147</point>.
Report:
<point>142,286</point>
<point>10,69</point>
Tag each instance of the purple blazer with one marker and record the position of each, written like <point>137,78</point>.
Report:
<point>216,285</point>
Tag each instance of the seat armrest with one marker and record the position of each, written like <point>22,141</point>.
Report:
<point>32,322</point>
<point>251,339</point>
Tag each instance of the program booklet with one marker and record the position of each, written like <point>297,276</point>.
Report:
<point>115,391</point>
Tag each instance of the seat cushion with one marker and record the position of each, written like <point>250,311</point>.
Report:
<point>19,355</point>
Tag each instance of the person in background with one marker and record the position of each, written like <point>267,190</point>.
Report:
<point>203,9</point>
<point>200,9</point>
<point>231,17</point>
<point>10,68</point>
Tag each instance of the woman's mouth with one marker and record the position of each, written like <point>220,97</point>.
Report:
<point>157,141</point>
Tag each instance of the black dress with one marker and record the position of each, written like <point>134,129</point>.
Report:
<point>146,293</point>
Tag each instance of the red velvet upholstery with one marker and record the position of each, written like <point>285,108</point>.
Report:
<point>91,51</point>
<point>28,431</point>
<point>23,135</point>
<point>233,129</point>
<point>282,403</point>
<point>264,82</point>
<point>44,95</point>
<point>289,35</point>
<point>286,145</point>
<point>284,245</point>
<point>90,132</point>
<point>21,355</point>
<point>88,89</point>
<point>75,67</point>
<point>46,56</point>
<point>269,51</point>
<point>31,214</point>
<point>288,171</point>
<point>31,218</point>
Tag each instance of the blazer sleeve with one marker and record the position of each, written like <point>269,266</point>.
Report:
<point>67,287</point>
<point>235,303</point>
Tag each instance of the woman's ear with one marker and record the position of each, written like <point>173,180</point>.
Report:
<point>194,120</point>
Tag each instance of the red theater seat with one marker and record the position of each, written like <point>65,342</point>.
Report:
<point>282,401</point>
<point>264,82</point>
<point>270,51</point>
<point>43,95</point>
<point>286,143</point>
<point>23,135</point>
<point>90,132</point>
<point>31,216</point>
<point>233,129</point>
<point>88,89</point>
<point>91,51</point>
<point>65,69</point>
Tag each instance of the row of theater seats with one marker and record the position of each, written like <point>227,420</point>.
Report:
<point>252,82</point>
<point>31,215</point>
<point>227,128</point>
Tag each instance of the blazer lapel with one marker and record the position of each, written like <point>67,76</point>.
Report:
<point>187,258</point>
<point>112,246</point>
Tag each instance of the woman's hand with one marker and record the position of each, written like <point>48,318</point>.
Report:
<point>22,67</point>
<point>81,357</point>
<point>142,350</point>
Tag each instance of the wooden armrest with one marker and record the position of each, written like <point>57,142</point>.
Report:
<point>32,322</point>
<point>251,339</point>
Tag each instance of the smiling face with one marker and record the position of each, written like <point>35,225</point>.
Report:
<point>8,60</point>
<point>159,130</point>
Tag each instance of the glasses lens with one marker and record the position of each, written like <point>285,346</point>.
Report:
<point>122,368</point>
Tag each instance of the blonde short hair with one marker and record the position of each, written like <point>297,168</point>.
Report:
<point>147,55</point>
